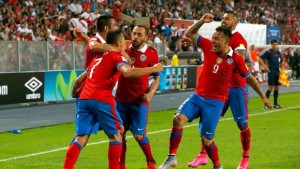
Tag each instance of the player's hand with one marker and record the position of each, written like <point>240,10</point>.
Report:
<point>77,33</point>
<point>267,102</point>
<point>158,67</point>
<point>126,56</point>
<point>147,97</point>
<point>207,18</point>
<point>186,40</point>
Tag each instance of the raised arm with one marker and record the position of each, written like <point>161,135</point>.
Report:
<point>192,31</point>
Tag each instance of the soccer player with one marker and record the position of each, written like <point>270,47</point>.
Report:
<point>95,46</point>
<point>238,95</point>
<point>133,95</point>
<point>208,99</point>
<point>274,59</point>
<point>97,104</point>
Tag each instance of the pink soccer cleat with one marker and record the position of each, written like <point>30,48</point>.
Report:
<point>244,163</point>
<point>200,159</point>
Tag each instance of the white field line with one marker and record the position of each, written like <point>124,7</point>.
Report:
<point>153,132</point>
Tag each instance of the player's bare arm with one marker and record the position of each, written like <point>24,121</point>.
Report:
<point>101,47</point>
<point>241,52</point>
<point>192,31</point>
<point>78,83</point>
<point>129,72</point>
<point>255,85</point>
<point>148,96</point>
<point>78,33</point>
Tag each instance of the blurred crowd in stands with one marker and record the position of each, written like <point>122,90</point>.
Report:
<point>54,20</point>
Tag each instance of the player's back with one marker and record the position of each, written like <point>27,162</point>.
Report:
<point>131,90</point>
<point>102,77</point>
<point>237,41</point>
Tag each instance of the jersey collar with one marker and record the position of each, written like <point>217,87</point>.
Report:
<point>100,37</point>
<point>230,53</point>
<point>144,48</point>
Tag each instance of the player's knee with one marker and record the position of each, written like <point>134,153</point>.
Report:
<point>179,120</point>
<point>205,141</point>
<point>242,124</point>
<point>138,137</point>
<point>82,140</point>
<point>141,139</point>
<point>115,137</point>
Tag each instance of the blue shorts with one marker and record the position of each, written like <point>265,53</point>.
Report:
<point>96,126</point>
<point>208,110</point>
<point>134,117</point>
<point>238,102</point>
<point>92,111</point>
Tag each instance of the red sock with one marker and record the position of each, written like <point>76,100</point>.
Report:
<point>203,150</point>
<point>114,154</point>
<point>145,146</point>
<point>123,155</point>
<point>245,136</point>
<point>213,154</point>
<point>175,139</point>
<point>72,155</point>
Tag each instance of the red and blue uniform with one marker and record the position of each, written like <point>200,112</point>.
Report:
<point>211,93</point>
<point>238,89</point>
<point>96,100</point>
<point>89,56</point>
<point>129,96</point>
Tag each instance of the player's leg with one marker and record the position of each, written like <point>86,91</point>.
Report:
<point>111,123</point>
<point>188,111</point>
<point>84,125</point>
<point>210,114</point>
<point>201,158</point>
<point>122,109</point>
<point>139,120</point>
<point>238,104</point>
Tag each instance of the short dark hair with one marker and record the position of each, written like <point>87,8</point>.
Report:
<point>274,41</point>
<point>145,27</point>
<point>226,31</point>
<point>233,13</point>
<point>103,21</point>
<point>113,36</point>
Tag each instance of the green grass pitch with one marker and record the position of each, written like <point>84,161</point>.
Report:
<point>275,142</point>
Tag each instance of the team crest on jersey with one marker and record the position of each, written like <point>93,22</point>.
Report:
<point>143,57</point>
<point>229,60</point>
<point>219,60</point>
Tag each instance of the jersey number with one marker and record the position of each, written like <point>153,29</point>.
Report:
<point>92,70</point>
<point>216,68</point>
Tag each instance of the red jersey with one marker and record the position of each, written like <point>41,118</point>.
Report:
<point>102,77</point>
<point>237,42</point>
<point>89,55</point>
<point>131,90</point>
<point>217,71</point>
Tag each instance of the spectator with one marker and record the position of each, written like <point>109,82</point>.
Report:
<point>175,61</point>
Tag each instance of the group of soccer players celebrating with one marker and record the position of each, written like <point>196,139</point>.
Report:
<point>223,83</point>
